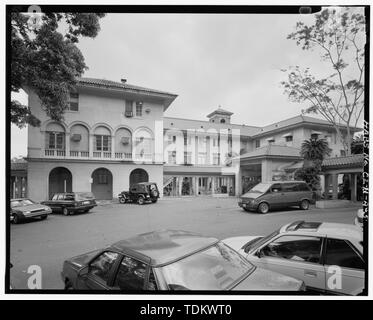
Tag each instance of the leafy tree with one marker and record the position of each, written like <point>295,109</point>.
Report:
<point>313,152</point>
<point>46,60</point>
<point>339,36</point>
<point>357,145</point>
<point>310,175</point>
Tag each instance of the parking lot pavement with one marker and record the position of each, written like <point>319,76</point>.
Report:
<point>47,243</point>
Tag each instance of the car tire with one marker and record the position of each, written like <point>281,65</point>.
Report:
<point>263,208</point>
<point>65,211</point>
<point>122,200</point>
<point>140,200</point>
<point>305,205</point>
<point>43,217</point>
<point>16,219</point>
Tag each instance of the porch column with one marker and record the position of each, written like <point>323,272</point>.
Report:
<point>353,185</point>
<point>266,170</point>
<point>113,146</point>
<point>196,185</point>
<point>238,181</point>
<point>326,185</point>
<point>335,186</point>
<point>91,144</point>
<point>67,144</point>
<point>180,185</point>
<point>213,180</point>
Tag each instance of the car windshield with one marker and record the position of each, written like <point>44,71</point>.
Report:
<point>260,188</point>
<point>249,247</point>
<point>20,203</point>
<point>84,195</point>
<point>215,268</point>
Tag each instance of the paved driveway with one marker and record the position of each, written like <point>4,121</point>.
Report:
<point>47,243</point>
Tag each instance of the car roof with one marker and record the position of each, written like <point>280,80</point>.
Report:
<point>164,246</point>
<point>337,230</point>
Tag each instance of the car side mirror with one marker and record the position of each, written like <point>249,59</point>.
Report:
<point>83,271</point>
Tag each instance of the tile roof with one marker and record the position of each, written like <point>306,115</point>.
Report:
<point>18,165</point>
<point>120,85</point>
<point>272,150</point>
<point>219,111</point>
<point>297,120</point>
<point>351,161</point>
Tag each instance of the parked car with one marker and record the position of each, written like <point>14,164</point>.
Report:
<point>24,208</point>
<point>309,251</point>
<point>170,260</point>
<point>71,202</point>
<point>277,194</point>
<point>360,218</point>
<point>141,193</point>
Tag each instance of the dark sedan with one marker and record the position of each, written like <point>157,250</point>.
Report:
<point>170,260</point>
<point>22,209</point>
<point>71,202</point>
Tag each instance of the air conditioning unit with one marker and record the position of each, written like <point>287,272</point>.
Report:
<point>125,140</point>
<point>128,114</point>
<point>76,137</point>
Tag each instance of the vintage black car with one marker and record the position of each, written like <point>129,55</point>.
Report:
<point>22,209</point>
<point>170,260</point>
<point>71,202</point>
<point>141,193</point>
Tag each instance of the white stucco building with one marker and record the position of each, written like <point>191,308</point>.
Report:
<point>115,134</point>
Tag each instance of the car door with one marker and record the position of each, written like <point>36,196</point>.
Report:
<point>274,196</point>
<point>99,272</point>
<point>131,275</point>
<point>296,256</point>
<point>290,194</point>
<point>133,193</point>
<point>53,204</point>
<point>344,260</point>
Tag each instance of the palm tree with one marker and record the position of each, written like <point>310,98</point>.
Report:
<point>315,150</point>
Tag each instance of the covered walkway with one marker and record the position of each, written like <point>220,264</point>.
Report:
<point>351,167</point>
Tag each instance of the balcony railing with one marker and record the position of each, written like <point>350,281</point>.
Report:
<point>123,155</point>
<point>107,155</point>
<point>79,154</point>
<point>54,153</point>
<point>102,154</point>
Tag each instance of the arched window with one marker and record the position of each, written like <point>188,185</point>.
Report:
<point>79,139</point>
<point>123,141</point>
<point>102,140</point>
<point>143,146</point>
<point>55,137</point>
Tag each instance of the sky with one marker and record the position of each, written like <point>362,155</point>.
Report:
<point>228,60</point>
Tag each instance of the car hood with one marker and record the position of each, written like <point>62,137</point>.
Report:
<point>266,280</point>
<point>237,243</point>
<point>83,259</point>
<point>251,195</point>
<point>31,207</point>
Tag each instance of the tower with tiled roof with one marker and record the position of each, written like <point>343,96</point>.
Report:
<point>220,116</point>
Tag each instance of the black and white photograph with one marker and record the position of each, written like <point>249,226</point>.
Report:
<point>166,150</point>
